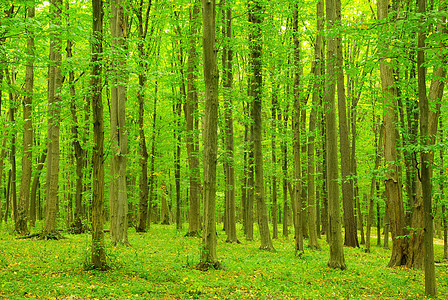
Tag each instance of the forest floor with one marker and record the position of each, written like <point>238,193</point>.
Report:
<point>160,265</point>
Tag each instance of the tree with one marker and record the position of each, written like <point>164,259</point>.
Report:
<point>334,224</point>
<point>317,94</point>
<point>24,198</point>
<point>393,180</point>
<point>255,45</point>
<point>54,121</point>
<point>119,139</point>
<point>208,258</point>
<point>98,247</point>
<point>227,62</point>
<point>192,125</point>
<point>78,149</point>
<point>142,79</point>
<point>296,201</point>
<point>351,236</point>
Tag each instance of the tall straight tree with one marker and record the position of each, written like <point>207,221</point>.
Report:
<point>98,251</point>
<point>351,236</point>
<point>296,200</point>
<point>227,62</point>
<point>54,121</point>
<point>119,139</point>
<point>334,234</point>
<point>208,258</point>
<point>192,125</point>
<point>317,95</point>
<point>78,150</point>
<point>426,164</point>
<point>24,198</point>
<point>256,85</point>
<point>143,20</point>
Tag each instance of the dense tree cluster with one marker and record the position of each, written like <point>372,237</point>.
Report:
<point>326,117</point>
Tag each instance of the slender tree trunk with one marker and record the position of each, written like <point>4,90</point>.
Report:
<point>208,252</point>
<point>373,182</point>
<point>296,202</point>
<point>190,108</point>
<point>317,95</point>
<point>143,65</point>
<point>153,156</point>
<point>227,62</point>
<point>177,167</point>
<point>98,247</point>
<point>27,158</point>
<point>256,85</point>
<point>334,221</point>
<point>274,162</point>
<point>351,237</point>
<point>284,151</point>
<point>442,192</point>
<point>54,120</point>
<point>119,139</point>
<point>79,151</point>
<point>12,155</point>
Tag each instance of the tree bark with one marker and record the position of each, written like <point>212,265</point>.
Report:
<point>208,257</point>
<point>143,66</point>
<point>98,247</point>
<point>27,158</point>
<point>54,120</point>
<point>350,237</point>
<point>317,95</point>
<point>192,125</point>
<point>296,202</point>
<point>393,181</point>
<point>334,221</point>
<point>119,139</point>
<point>256,85</point>
<point>227,62</point>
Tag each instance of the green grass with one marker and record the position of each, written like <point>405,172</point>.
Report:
<point>159,265</point>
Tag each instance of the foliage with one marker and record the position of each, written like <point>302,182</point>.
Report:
<point>160,264</point>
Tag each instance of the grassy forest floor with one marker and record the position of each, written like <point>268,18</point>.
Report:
<point>159,265</point>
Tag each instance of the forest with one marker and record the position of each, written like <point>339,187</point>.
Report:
<point>310,134</point>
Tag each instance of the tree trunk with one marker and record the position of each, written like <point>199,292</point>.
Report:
<point>208,257</point>
<point>442,192</point>
<point>227,62</point>
<point>334,221</point>
<point>12,155</point>
<point>393,182</point>
<point>274,162</point>
<point>317,95</point>
<point>27,162</point>
<point>119,139</point>
<point>284,150</point>
<point>256,85</point>
<point>190,108</point>
<point>54,120</point>
<point>78,150</point>
<point>153,156</point>
<point>98,246</point>
<point>296,202</point>
<point>143,152</point>
<point>351,237</point>
<point>373,182</point>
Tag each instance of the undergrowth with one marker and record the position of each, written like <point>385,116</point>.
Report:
<point>160,264</point>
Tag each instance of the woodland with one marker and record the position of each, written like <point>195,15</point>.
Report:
<point>164,141</point>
